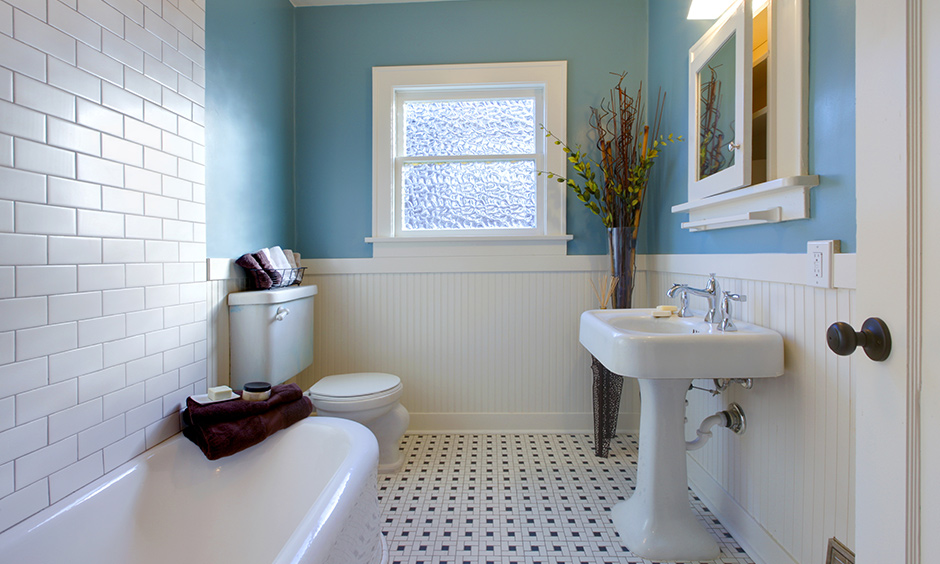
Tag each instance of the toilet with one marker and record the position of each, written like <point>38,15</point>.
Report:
<point>271,340</point>
<point>369,398</point>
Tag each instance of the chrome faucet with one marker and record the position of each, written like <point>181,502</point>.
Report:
<point>711,292</point>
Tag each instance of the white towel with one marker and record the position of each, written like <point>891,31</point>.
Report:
<point>289,255</point>
<point>280,262</point>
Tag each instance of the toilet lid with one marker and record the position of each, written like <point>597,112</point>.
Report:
<point>354,385</point>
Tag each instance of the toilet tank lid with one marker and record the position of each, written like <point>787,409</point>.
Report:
<point>276,296</point>
<point>354,385</point>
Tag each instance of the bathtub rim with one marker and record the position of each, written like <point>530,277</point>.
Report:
<point>357,466</point>
<point>366,461</point>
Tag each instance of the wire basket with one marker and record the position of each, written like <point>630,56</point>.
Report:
<point>259,278</point>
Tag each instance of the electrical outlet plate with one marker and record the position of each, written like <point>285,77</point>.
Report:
<point>819,262</point>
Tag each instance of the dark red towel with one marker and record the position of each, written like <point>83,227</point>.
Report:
<point>224,411</point>
<point>218,440</point>
<point>273,272</point>
<point>257,277</point>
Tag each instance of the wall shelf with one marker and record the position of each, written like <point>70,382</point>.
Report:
<point>783,199</point>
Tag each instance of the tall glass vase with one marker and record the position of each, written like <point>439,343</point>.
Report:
<point>622,244</point>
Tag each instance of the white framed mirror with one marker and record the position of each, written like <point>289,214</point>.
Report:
<point>720,102</point>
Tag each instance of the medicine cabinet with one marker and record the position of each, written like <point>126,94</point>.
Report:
<point>748,118</point>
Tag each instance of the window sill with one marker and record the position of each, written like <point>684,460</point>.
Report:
<point>469,246</point>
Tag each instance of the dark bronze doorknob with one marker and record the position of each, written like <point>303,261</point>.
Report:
<point>874,338</point>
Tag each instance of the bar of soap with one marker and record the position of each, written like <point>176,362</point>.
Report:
<point>660,313</point>
<point>669,308</point>
<point>219,392</point>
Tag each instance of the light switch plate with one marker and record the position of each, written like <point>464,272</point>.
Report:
<point>819,262</point>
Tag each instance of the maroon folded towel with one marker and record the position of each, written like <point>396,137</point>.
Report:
<point>257,277</point>
<point>273,272</point>
<point>225,411</point>
<point>222,439</point>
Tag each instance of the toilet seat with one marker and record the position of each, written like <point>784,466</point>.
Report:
<point>360,391</point>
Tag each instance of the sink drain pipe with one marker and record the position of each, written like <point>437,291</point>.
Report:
<point>732,418</point>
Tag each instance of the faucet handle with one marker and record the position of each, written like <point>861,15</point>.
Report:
<point>726,323</point>
<point>729,296</point>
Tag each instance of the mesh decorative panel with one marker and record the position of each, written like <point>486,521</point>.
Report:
<point>469,195</point>
<point>469,127</point>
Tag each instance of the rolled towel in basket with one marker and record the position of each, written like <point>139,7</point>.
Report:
<point>226,438</point>
<point>280,262</point>
<point>264,260</point>
<point>258,277</point>
<point>289,255</point>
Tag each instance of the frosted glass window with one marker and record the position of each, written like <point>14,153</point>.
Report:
<point>469,195</point>
<point>456,153</point>
<point>450,180</point>
<point>469,127</point>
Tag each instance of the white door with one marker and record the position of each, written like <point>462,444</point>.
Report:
<point>898,180</point>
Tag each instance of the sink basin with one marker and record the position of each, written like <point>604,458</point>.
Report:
<point>631,343</point>
<point>665,355</point>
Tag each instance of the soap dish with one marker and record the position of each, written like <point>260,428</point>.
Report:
<point>203,399</point>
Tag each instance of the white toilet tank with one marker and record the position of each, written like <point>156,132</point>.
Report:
<point>270,334</point>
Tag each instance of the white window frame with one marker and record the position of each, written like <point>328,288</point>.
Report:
<point>391,86</point>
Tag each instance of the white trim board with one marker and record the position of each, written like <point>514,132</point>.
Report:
<point>627,422</point>
<point>753,538</point>
<point>767,267</point>
<point>220,268</point>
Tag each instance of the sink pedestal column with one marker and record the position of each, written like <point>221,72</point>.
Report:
<point>657,521</point>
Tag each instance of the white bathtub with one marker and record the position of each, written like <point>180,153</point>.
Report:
<point>306,494</point>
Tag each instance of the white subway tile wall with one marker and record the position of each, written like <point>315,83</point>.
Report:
<point>102,237</point>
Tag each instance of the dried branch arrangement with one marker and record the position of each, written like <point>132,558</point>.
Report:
<point>627,149</point>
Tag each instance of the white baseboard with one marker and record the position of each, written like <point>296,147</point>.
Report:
<point>759,544</point>
<point>515,423</point>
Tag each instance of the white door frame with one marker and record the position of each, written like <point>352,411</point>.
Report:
<point>890,261</point>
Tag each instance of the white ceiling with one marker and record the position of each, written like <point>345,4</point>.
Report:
<point>299,3</point>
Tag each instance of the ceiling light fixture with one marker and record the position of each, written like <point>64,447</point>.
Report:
<point>712,9</point>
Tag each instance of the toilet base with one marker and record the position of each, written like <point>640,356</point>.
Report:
<point>394,466</point>
<point>388,430</point>
<point>388,427</point>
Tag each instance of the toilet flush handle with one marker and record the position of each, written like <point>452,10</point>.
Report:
<point>282,312</point>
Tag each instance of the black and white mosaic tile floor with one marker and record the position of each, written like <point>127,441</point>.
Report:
<point>515,498</point>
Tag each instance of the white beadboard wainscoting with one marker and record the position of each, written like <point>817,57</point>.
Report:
<point>476,350</point>
<point>490,343</point>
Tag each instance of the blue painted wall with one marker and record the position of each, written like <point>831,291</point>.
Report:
<point>831,130</point>
<point>308,185</point>
<point>338,46</point>
<point>249,125</point>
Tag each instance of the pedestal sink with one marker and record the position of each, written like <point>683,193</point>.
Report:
<point>665,355</point>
